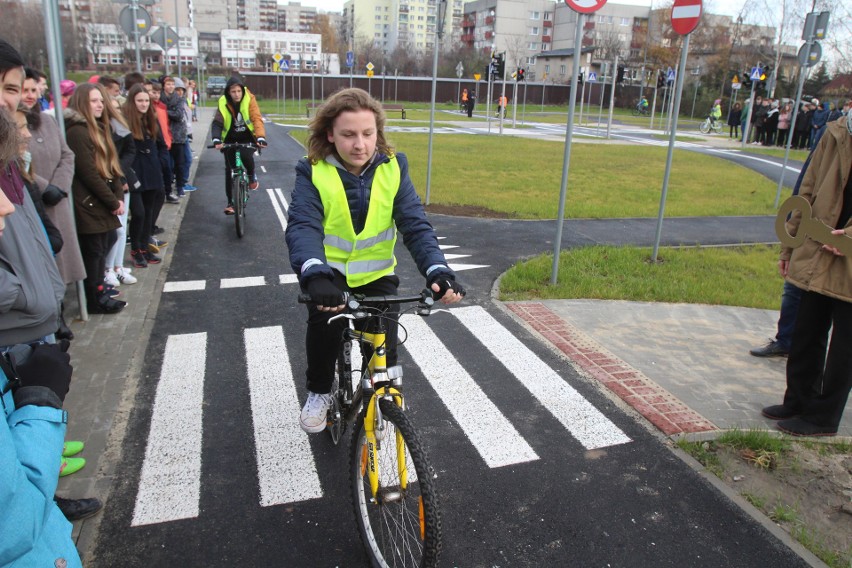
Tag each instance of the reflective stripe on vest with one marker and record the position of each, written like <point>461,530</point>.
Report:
<point>227,118</point>
<point>367,256</point>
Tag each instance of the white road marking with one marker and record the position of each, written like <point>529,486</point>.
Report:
<point>170,482</point>
<point>276,195</point>
<point>455,256</point>
<point>585,422</point>
<point>244,282</point>
<point>263,169</point>
<point>447,247</point>
<point>184,286</point>
<point>488,430</point>
<point>288,279</point>
<point>285,465</point>
<point>458,266</point>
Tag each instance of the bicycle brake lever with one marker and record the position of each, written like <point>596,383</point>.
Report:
<point>338,316</point>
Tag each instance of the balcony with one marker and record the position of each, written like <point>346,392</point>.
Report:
<point>489,34</point>
<point>467,38</point>
<point>489,20</point>
<point>547,23</point>
<point>546,39</point>
<point>589,26</point>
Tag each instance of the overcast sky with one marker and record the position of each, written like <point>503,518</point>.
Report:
<point>729,7</point>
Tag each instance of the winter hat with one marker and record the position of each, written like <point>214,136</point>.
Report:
<point>774,104</point>
<point>66,87</point>
<point>815,102</point>
<point>717,101</point>
<point>94,79</point>
<point>179,83</point>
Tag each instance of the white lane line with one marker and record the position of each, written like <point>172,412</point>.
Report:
<point>488,430</point>
<point>263,169</point>
<point>459,266</point>
<point>244,282</point>
<point>446,247</point>
<point>288,279</point>
<point>585,422</point>
<point>285,464</point>
<point>184,286</point>
<point>276,194</point>
<point>455,256</point>
<point>170,482</point>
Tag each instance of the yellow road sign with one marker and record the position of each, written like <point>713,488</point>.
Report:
<point>275,68</point>
<point>370,66</point>
<point>370,73</point>
<point>476,76</point>
<point>277,57</point>
<point>736,79</point>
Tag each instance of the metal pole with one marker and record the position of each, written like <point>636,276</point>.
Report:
<point>524,107</point>
<point>177,31</point>
<point>802,73</point>
<point>653,108</point>
<point>612,99</point>
<point>278,91</point>
<point>566,159</point>
<point>134,6</point>
<point>672,133</point>
<point>502,95</point>
<point>439,32</point>
<point>582,96</point>
<point>694,96</point>
<point>748,116</point>
<point>543,87</point>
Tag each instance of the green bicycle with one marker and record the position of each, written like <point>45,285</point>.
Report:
<point>392,481</point>
<point>239,182</point>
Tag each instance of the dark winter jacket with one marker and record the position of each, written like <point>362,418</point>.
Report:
<point>95,198</point>
<point>177,118</point>
<point>254,118</point>
<point>735,118</point>
<point>820,116</point>
<point>54,237</point>
<point>803,121</point>
<point>123,140</point>
<point>305,231</point>
<point>148,162</point>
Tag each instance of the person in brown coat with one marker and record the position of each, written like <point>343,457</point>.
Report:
<point>96,189</point>
<point>819,373</point>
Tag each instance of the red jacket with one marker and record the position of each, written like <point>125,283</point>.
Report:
<point>163,120</point>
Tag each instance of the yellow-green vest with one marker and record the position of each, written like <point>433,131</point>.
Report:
<point>367,256</point>
<point>226,114</point>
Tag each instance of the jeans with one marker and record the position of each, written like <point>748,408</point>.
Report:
<point>187,161</point>
<point>177,152</point>
<point>323,340</point>
<point>142,207</point>
<point>790,299</point>
<point>115,256</point>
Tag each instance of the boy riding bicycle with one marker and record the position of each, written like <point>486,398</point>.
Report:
<point>715,112</point>
<point>238,120</point>
<point>352,194</point>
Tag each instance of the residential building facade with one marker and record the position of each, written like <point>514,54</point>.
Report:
<point>399,24</point>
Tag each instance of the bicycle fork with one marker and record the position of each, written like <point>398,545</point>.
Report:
<point>375,430</point>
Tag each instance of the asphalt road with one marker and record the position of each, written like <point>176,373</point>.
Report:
<point>536,467</point>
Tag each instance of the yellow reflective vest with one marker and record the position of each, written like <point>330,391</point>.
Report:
<point>367,256</point>
<point>227,118</point>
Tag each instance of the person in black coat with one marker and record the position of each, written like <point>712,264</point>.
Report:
<point>734,119</point>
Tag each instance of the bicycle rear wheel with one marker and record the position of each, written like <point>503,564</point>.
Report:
<point>240,205</point>
<point>704,127</point>
<point>401,526</point>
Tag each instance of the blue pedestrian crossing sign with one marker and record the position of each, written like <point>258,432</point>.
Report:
<point>756,72</point>
<point>284,64</point>
<point>350,58</point>
<point>670,75</point>
<point>592,77</point>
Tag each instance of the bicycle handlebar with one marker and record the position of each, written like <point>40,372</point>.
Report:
<point>231,145</point>
<point>355,301</point>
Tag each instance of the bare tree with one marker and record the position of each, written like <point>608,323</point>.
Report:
<point>17,25</point>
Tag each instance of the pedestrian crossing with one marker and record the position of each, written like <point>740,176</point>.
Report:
<point>170,480</point>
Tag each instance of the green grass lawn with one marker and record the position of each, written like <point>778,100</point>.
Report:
<point>731,276</point>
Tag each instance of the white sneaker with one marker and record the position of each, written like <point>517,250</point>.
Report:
<point>111,278</point>
<point>123,275</point>
<point>313,416</point>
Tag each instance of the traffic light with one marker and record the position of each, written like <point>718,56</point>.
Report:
<point>619,76</point>
<point>661,79</point>
<point>520,75</point>
<point>580,78</point>
<point>746,79</point>
<point>498,67</point>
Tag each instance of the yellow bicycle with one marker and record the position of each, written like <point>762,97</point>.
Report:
<point>392,482</point>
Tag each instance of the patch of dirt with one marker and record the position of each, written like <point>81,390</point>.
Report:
<point>466,211</point>
<point>816,486</point>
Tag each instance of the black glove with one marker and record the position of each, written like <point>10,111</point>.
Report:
<point>49,365</point>
<point>323,292</point>
<point>445,282</point>
<point>261,141</point>
<point>53,195</point>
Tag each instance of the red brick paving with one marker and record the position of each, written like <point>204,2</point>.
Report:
<point>656,404</point>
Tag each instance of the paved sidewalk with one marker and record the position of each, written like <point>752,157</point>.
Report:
<point>684,367</point>
<point>107,357</point>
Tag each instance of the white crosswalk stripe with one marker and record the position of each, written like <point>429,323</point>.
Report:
<point>169,486</point>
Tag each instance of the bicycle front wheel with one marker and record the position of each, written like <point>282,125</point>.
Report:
<point>401,526</point>
<point>240,206</point>
<point>636,112</point>
<point>704,127</point>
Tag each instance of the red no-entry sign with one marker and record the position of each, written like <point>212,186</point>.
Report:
<point>585,6</point>
<point>685,15</point>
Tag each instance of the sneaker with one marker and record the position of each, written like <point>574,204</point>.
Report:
<point>313,416</point>
<point>172,199</point>
<point>71,448</point>
<point>151,257</point>
<point>78,509</point>
<point>254,184</point>
<point>124,276</point>
<point>108,290</point>
<point>771,349</point>
<point>110,278</point>
<point>106,305</point>
<point>72,465</point>
<point>139,259</point>
<point>181,192</point>
<point>229,210</point>
<point>188,188</point>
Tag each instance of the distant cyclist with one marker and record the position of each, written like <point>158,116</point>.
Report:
<point>643,105</point>
<point>715,112</point>
<point>238,120</point>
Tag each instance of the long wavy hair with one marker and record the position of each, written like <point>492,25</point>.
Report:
<point>344,100</point>
<point>140,124</point>
<point>100,132</point>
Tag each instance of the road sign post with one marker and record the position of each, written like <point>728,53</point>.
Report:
<point>581,7</point>
<point>754,76</point>
<point>685,17</point>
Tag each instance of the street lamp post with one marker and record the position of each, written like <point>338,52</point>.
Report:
<point>439,33</point>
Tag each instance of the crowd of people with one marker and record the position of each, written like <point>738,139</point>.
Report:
<point>771,121</point>
<point>69,208</point>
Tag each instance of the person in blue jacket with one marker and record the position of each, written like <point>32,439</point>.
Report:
<point>352,194</point>
<point>33,383</point>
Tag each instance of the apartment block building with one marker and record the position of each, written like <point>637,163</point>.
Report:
<point>405,24</point>
<point>293,17</point>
